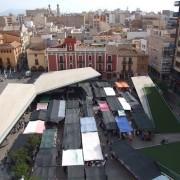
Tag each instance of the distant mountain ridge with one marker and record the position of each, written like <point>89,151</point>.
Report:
<point>12,11</point>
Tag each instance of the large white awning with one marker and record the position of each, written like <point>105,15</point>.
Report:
<point>91,146</point>
<point>140,82</point>
<point>72,157</point>
<point>14,100</point>
<point>57,79</point>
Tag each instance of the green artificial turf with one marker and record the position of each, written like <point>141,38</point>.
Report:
<point>167,155</point>
<point>164,119</point>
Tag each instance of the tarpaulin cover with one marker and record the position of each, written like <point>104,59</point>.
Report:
<point>103,106</point>
<point>109,121</point>
<point>91,146</point>
<point>87,109</point>
<point>56,110</point>
<point>101,84</point>
<point>109,91</point>
<point>34,127</point>
<point>99,92</point>
<point>39,115</point>
<point>130,98</point>
<point>138,164</point>
<point>42,106</point>
<point>72,104</point>
<point>49,138</point>
<point>72,157</point>
<point>46,158</point>
<point>71,136</point>
<point>121,113</point>
<point>123,124</point>
<point>87,89</point>
<point>72,116</point>
<point>124,104</point>
<point>113,103</point>
<point>44,173</point>
<point>95,173</point>
<point>88,124</point>
<point>75,172</point>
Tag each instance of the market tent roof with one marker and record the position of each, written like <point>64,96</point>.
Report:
<point>103,106</point>
<point>42,106</point>
<point>57,79</point>
<point>130,98</point>
<point>46,157</point>
<point>87,88</point>
<point>75,172</point>
<point>72,157</point>
<point>72,116</point>
<point>122,85</point>
<point>139,83</point>
<point>142,121</point>
<point>56,110</point>
<point>123,124</point>
<point>124,104</point>
<point>140,165</point>
<point>87,109</point>
<point>91,146</point>
<point>14,100</point>
<point>72,104</point>
<point>109,91</point>
<point>88,124</point>
<point>121,113</point>
<point>49,138</point>
<point>71,136</point>
<point>109,121</point>
<point>39,115</point>
<point>35,127</point>
<point>101,84</point>
<point>99,92</point>
<point>114,104</point>
<point>95,173</point>
<point>44,173</point>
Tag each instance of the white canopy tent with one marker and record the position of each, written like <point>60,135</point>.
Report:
<point>91,146</point>
<point>72,157</point>
<point>35,127</point>
<point>124,104</point>
<point>109,91</point>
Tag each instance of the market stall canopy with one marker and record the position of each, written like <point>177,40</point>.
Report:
<point>42,106</point>
<point>75,172</point>
<point>35,127</point>
<point>72,157</point>
<point>123,124</point>
<point>103,106</point>
<point>71,136</point>
<point>72,116</point>
<point>95,173</point>
<point>88,124</point>
<point>113,103</point>
<point>49,138</point>
<point>39,115</point>
<point>121,113</point>
<point>124,104</point>
<point>91,146</point>
<point>109,91</point>
<point>109,121</point>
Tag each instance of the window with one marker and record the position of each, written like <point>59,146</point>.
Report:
<point>70,59</point>
<point>61,66</point>
<point>70,66</point>
<point>90,65</point>
<point>35,55</point>
<point>100,68</point>
<point>1,62</point>
<point>109,60</point>
<point>90,58</point>
<point>36,62</point>
<point>109,67</point>
<point>8,61</point>
<point>70,47</point>
<point>100,59</point>
<point>61,59</point>
<point>80,59</point>
<point>130,60</point>
<point>177,64</point>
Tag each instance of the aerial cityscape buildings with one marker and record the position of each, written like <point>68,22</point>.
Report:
<point>91,95</point>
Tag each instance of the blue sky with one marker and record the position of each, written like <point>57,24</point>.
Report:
<point>85,5</point>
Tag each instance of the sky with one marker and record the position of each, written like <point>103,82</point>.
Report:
<point>67,6</point>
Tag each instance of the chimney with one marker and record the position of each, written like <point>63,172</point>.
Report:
<point>58,11</point>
